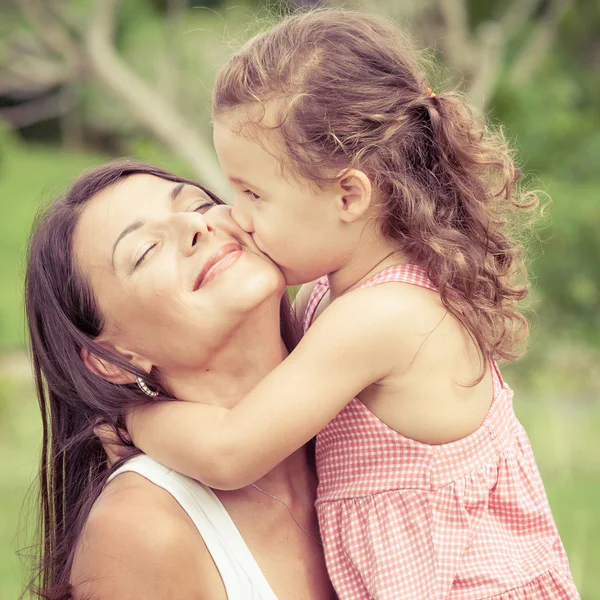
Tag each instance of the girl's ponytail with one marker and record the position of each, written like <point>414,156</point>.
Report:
<point>454,200</point>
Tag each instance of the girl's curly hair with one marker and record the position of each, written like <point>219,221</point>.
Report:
<point>351,91</point>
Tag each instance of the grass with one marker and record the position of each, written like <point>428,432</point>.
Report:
<point>20,436</point>
<point>564,440</point>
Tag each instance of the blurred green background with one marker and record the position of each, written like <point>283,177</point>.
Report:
<point>85,80</point>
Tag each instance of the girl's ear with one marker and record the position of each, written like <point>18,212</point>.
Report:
<point>109,372</point>
<point>354,194</point>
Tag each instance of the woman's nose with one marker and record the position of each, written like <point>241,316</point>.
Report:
<point>191,229</point>
<point>242,216</point>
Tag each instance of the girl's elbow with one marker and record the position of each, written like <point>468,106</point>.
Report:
<point>227,483</point>
<point>228,471</point>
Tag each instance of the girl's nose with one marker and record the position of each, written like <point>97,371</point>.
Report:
<point>242,216</point>
<point>221,220</point>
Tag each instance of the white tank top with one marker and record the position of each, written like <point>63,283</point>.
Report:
<point>239,571</point>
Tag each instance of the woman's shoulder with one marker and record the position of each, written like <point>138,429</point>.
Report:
<point>130,501</point>
<point>139,543</point>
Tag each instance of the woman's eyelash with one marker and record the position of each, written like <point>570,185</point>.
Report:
<point>141,259</point>
<point>251,193</point>
<point>203,206</point>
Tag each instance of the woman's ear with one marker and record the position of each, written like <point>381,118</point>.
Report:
<point>110,372</point>
<point>354,194</point>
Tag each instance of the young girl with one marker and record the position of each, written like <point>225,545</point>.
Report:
<point>346,164</point>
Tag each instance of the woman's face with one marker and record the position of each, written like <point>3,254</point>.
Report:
<point>172,274</point>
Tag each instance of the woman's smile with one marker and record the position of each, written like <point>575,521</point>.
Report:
<point>218,262</point>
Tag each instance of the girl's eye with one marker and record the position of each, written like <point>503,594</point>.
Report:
<point>141,259</point>
<point>251,194</point>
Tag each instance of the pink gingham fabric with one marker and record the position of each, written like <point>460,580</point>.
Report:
<point>403,520</point>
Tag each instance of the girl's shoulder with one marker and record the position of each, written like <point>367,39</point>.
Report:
<point>395,303</point>
<point>386,321</point>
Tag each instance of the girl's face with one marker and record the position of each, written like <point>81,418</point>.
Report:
<point>172,273</point>
<point>296,226</point>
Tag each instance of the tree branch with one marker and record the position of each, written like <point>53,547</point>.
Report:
<point>50,31</point>
<point>149,107</point>
<point>539,42</point>
<point>489,66</point>
<point>169,63</point>
<point>40,73</point>
<point>456,42</point>
<point>516,15</point>
<point>36,110</point>
<point>487,51</point>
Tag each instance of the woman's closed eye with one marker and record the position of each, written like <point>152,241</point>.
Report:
<point>201,207</point>
<point>251,194</point>
<point>204,206</point>
<point>145,251</point>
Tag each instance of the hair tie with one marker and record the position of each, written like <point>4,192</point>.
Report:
<point>430,93</point>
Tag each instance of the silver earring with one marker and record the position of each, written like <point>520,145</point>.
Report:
<point>144,387</point>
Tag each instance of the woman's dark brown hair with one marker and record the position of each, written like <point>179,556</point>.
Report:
<point>63,318</point>
<point>349,90</point>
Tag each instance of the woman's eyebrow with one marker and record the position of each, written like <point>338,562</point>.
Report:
<point>175,191</point>
<point>173,195</point>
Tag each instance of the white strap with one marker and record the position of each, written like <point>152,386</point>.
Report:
<point>222,538</point>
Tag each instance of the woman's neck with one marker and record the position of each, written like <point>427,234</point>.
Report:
<point>251,353</point>
<point>248,355</point>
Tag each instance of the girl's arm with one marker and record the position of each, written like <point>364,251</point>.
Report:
<point>350,346</point>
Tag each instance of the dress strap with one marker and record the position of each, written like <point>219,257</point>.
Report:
<point>409,273</point>
<point>416,275</point>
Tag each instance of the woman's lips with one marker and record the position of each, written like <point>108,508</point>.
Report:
<point>222,259</point>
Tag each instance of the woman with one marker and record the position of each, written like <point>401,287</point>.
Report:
<point>139,283</point>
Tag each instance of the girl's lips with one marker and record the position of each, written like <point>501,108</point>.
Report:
<point>223,258</point>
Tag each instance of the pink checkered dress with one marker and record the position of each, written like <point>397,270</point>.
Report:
<point>403,520</point>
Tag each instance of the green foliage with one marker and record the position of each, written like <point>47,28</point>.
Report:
<point>567,272</point>
<point>556,123</point>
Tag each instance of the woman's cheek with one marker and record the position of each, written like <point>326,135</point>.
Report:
<point>164,279</point>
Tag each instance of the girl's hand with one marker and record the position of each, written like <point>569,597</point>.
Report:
<point>111,443</point>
